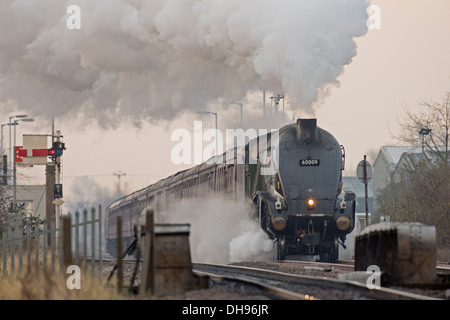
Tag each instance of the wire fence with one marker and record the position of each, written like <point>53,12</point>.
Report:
<point>44,245</point>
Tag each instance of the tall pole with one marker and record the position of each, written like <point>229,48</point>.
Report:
<point>16,122</point>
<point>11,159</point>
<point>423,132</point>
<point>14,168</point>
<point>242,120</point>
<point>217,150</point>
<point>215,114</point>
<point>119,174</point>
<point>58,170</point>
<point>3,151</point>
<point>3,169</point>
<point>366,191</point>
<point>241,113</point>
<point>10,145</point>
<point>264,103</point>
<point>50,192</point>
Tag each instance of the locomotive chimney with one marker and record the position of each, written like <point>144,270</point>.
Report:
<point>307,130</point>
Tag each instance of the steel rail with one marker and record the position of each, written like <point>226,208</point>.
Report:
<point>297,283</point>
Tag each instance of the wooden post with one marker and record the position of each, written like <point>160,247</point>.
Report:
<point>67,245</point>
<point>21,246</point>
<point>92,240</point>
<point>85,240</point>
<point>11,248</point>
<point>4,250</point>
<point>50,193</point>
<point>100,235</point>
<point>28,247</point>
<point>36,249</point>
<point>148,279</point>
<point>53,243</point>
<point>44,246</point>
<point>77,236</point>
<point>366,197</point>
<point>119,255</point>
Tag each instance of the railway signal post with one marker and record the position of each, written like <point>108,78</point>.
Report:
<point>364,173</point>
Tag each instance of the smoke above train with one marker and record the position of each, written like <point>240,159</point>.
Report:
<point>134,60</point>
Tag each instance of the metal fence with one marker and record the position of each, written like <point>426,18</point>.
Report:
<point>40,246</point>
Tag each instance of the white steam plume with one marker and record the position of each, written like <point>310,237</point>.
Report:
<point>221,230</point>
<point>136,59</point>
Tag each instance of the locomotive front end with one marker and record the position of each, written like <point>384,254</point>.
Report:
<point>318,213</point>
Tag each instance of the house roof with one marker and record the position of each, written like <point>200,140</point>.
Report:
<point>394,153</point>
<point>412,157</point>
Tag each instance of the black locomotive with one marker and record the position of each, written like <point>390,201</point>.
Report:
<point>293,176</point>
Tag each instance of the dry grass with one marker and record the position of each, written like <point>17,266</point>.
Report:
<point>44,284</point>
<point>53,287</point>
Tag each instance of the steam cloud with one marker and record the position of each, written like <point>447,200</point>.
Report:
<point>221,230</point>
<point>153,59</point>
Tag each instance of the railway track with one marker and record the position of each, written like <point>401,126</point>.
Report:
<point>317,280</point>
<point>291,286</point>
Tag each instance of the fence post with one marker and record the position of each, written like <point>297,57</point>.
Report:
<point>4,250</point>
<point>60,244</point>
<point>20,253</point>
<point>119,255</point>
<point>45,239</point>
<point>53,241</point>
<point>36,249</point>
<point>92,240</point>
<point>28,247</point>
<point>67,246</point>
<point>77,236</point>
<point>85,240</point>
<point>12,245</point>
<point>100,235</point>
<point>148,270</point>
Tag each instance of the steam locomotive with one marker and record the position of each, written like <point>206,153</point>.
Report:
<point>293,176</point>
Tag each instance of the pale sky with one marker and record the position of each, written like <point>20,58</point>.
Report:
<point>403,63</point>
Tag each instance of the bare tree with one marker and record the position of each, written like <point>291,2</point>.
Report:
<point>422,193</point>
<point>432,124</point>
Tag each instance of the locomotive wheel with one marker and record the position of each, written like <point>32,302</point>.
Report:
<point>331,254</point>
<point>335,253</point>
<point>281,247</point>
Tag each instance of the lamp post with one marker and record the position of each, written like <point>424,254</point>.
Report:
<point>240,104</point>
<point>276,98</point>
<point>10,136</point>
<point>15,123</point>
<point>215,114</point>
<point>1,139</point>
<point>423,132</point>
<point>3,179</point>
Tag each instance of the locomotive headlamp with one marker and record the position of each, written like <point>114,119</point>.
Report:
<point>278,204</point>
<point>311,204</point>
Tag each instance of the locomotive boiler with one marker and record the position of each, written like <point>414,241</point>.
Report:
<point>293,176</point>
